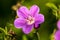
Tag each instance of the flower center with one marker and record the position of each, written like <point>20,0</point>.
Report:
<point>30,20</point>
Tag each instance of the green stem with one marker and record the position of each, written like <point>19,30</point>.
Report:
<point>5,38</point>
<point>38,36</point>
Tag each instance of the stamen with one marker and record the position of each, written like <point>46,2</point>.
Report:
<point>30,20</point>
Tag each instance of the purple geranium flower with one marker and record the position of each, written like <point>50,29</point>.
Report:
<point>57,35</point>
<point>28,18</point>
<point>58,24</point>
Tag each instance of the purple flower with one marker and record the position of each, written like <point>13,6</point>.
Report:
<point>28,18</point>
<point>57,35</point>
<point>58,24</point>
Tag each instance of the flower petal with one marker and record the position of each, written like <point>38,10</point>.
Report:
<point>34,9</point>
<point>58,24</point>
<point>37,25</point>
<point>57,35</point>
<point>22,12</point>
<point>39,18</point>
<point>19,22</point>
<point>27,29</point>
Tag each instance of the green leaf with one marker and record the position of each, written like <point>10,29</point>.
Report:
<point>52,6</point>
<point>3,30</point>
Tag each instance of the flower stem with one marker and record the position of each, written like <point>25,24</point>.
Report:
<point>5,38</point>
<point>38,36</point>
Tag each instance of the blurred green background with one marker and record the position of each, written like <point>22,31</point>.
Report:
<point>7,16</point>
